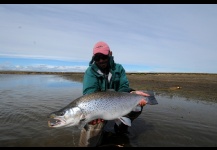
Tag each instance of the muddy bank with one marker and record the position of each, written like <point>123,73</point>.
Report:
<point>189,85</point>
<point>198,86</point>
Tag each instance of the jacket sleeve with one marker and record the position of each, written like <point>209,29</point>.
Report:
<point>90,82</point>
<point>124,83</point>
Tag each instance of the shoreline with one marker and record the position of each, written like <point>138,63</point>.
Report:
<point>131,73</point>
<point>201,86</point>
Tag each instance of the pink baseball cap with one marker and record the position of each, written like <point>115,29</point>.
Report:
<point>101,47</point>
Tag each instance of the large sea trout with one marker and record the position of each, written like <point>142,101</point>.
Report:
<point>109,105</point>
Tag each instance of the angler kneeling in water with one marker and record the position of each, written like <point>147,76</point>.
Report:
<point>103,74</point>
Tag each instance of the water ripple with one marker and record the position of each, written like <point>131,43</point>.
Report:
<point>26,100</point>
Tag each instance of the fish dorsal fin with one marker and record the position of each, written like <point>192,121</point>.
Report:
<point>110,90</point>
<point>125,121</point>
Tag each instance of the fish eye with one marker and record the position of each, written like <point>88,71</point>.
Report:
<point>62,113</point>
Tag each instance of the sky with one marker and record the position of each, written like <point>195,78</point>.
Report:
<point>142,37</point>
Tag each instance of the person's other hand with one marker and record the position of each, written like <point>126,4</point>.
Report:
<point>140,93</point>
<point>142,102</point>
<point>97,121</point>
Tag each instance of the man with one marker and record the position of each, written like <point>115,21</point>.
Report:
<point>101,75</point>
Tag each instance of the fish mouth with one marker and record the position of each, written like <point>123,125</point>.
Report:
<point>55,122</point>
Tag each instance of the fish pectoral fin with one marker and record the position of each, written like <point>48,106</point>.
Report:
<point>125,120</point>
<point>82,117</point>
<point>82,121</point>
<point>81,124</point>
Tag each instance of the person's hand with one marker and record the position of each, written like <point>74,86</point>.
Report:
<point>97,121</point>
<point>142,102</point>
<point>140,93</point>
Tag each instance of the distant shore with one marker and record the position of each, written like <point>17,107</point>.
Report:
<point>201,86</point>
<point>47,72</point>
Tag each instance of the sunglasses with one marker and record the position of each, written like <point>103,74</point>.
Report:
<point>101,56</point>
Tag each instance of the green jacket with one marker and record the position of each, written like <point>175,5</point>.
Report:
<point>94,80</point>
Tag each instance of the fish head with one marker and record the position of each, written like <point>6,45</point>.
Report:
<point>65,117</point>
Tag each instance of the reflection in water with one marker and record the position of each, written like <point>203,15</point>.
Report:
<point>26,100</point>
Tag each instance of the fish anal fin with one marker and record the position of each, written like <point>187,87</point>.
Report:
<point>125,121</point>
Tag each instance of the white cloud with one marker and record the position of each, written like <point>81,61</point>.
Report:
<point>180,37</point>
<point>43,68</point>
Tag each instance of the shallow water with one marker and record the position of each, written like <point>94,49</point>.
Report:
<point>26,100</point>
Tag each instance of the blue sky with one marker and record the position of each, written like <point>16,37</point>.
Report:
<point>142,37</point>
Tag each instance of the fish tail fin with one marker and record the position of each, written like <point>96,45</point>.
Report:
<point>151,100</point>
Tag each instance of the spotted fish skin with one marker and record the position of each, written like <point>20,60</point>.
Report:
<point>109,105</point>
